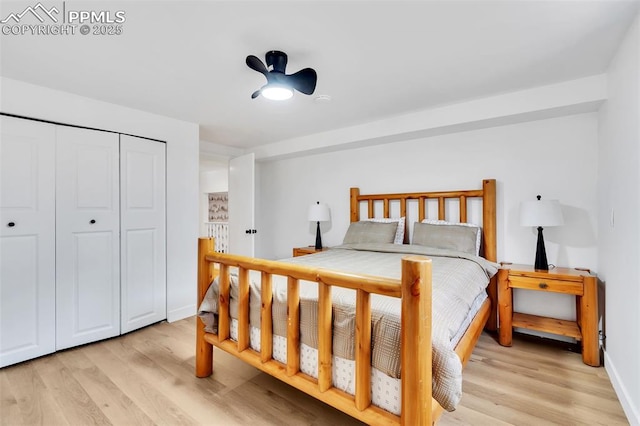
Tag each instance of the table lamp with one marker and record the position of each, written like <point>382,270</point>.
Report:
<point>319,213</point>
<point>541,213</point>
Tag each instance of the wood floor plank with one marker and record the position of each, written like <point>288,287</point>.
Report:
<point>270,406</point>
<point>145,394</point>
<point>579,388</point>
<point>74,402</point>
<point>147,377</point>
<point>195,398</point>
<point>9,409</point>
<point>247,408</point>
<point>302,402</point>
<point>176,363</point>
<point>464,415</point>
<point>35,402</point>
<point>554,370</point>
<point>113,403</point>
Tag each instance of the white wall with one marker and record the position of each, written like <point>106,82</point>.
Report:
<point>619,242</point>
<point>182,169</point>
<point>555,100</point>
<point>556,158</point>
<point>210,181</point>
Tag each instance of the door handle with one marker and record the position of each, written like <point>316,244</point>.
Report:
<point>11,224</point>
<point>92,221</point>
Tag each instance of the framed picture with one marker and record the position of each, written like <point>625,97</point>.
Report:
<point>218,206</point>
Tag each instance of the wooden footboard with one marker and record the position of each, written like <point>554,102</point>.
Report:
<point>414,289</point>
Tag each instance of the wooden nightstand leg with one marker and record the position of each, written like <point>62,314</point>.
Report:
<point>492,291</point>
<point>505,305</point>
<point>589,322</point>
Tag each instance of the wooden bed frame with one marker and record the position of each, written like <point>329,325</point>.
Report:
<point>414,288</point>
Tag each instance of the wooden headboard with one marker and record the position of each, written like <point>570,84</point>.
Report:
<point>488,196</point>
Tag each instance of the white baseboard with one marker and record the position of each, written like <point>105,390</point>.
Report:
<point>181,313</point>
<point>630,407</point>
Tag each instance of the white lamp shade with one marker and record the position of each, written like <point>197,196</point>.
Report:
<point>541,213</point>
<point>319,213</point>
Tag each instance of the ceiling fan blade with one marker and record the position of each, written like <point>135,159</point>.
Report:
<point>256,64</point>
<point>304,81</point>
<point>255,94</point>
<point>277,60</point>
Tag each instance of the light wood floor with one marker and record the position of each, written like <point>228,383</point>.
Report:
<point>146,377</point>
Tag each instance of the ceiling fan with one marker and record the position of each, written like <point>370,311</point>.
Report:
<point>280,85</point>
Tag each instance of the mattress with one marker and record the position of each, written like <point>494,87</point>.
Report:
<point>459,282</point>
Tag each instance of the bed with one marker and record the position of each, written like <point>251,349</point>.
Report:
<point>263,309</point>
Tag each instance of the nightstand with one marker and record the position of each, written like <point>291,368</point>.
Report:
<point>580,283</point>
<point>302,251</point>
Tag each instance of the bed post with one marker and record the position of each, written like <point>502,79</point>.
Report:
<point>415,345</point>
<point>204,350</point>
<point>355,205</point>
<point>490,245</point>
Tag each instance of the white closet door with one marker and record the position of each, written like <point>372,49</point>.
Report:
<point>143,240</point>
<point>87,240</point>
<point>27,239</point>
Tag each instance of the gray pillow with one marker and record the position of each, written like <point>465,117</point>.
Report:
<point>370,232</point>
<point>451,237</point>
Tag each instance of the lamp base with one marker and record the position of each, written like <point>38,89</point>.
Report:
<point>541,253</point>
<point>318,238</point>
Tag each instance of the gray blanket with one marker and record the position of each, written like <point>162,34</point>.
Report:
<point>458,278</point>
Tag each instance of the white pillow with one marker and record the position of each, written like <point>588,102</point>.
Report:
<point>399,238</point>
<point>444,222</point>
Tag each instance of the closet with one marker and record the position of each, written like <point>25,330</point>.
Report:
<point>82,236</point>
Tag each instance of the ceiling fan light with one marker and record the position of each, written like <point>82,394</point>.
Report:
<point>276,92</point>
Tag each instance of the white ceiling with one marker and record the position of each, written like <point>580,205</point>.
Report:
<point>186,59</point>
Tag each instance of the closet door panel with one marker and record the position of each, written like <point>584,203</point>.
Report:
<point>143,227</point>
<point>92,264</point>
<point>88,241</point>
<point>27,239</point>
